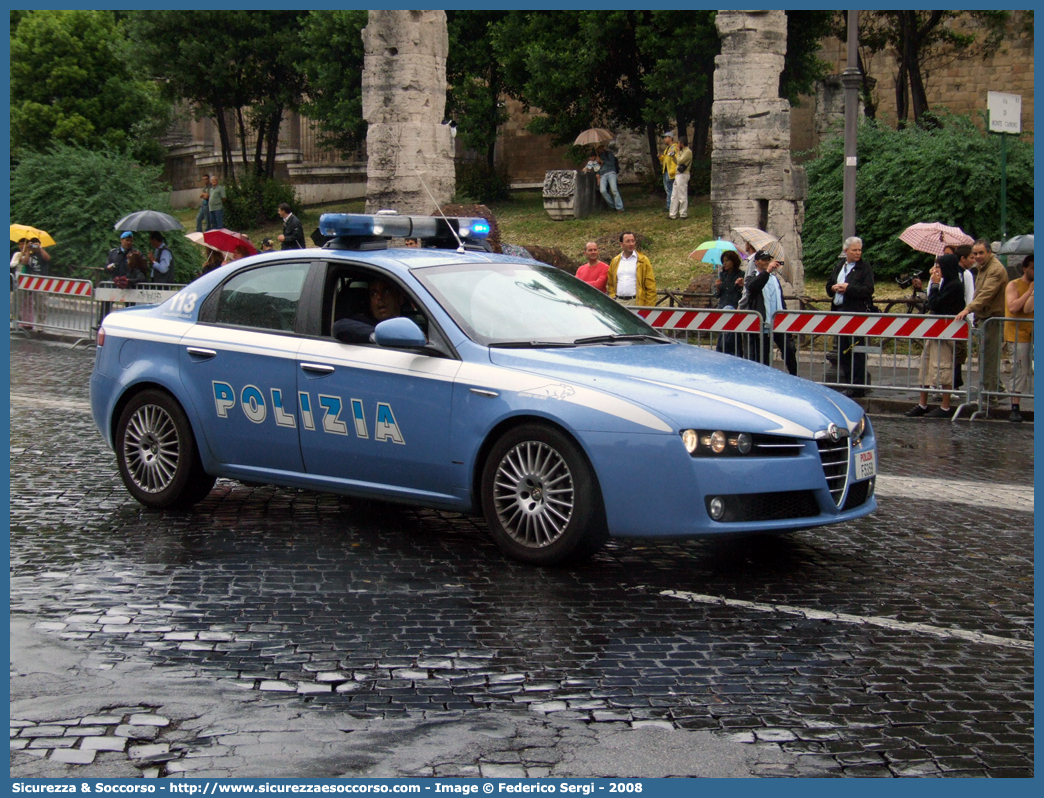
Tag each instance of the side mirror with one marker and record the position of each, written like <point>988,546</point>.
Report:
<point>399,333</point>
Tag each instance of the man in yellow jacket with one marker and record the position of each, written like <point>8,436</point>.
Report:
<point>631,280</point>
<point>669,165</point>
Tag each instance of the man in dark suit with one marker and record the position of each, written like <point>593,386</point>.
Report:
<point>293,231</point>
<point>851,286</point>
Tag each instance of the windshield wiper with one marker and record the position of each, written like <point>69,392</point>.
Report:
<point>532,345</point>
<point>612,339</point>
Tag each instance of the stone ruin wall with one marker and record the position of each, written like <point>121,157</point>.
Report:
<point>961,86</point>
<point>404,102</point>
<point>754,183</point>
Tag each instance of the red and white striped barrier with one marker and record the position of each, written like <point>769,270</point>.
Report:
<point>55,285</point>
<point>740,321</point>
<point>873,325</point>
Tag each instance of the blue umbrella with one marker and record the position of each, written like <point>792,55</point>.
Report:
<point>710,251</point>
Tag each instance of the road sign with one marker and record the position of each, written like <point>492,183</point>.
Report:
<point>1005,112</point>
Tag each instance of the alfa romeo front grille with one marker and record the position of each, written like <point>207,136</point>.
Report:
<point>776,446</point>
<point>835,457</point>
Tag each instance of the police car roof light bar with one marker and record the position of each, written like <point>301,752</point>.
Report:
<point>362,227</point>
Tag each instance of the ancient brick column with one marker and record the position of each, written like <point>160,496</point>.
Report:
<point>404,102</point>
<point>753,181</point>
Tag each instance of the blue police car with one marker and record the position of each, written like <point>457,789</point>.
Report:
<point>467,381</point>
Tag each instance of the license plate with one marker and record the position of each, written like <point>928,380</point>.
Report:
<point>866,464</point>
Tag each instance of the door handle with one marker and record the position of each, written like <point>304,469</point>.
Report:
<point>204,354</point>
<point>318,368</point>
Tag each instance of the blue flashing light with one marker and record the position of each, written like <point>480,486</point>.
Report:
<point>479,228</point>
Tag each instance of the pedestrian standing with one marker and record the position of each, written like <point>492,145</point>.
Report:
<point>945,298</point>
<point>988,303</point>
<point>161,269</point>
<point>292,236</point>
<point>851,289</point>
<point>679,206</point>
<point>216,204</point>
<point>728,288</point>
<point>595,272</point>
<point>204,208</point>
<point>631,280</point>
<point>766,297</point>
<point>668,165</point>
<point>32,259</point>
<point>1018,298</point>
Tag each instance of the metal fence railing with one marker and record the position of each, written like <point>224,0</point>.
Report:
<point>890,354</point>
<point>52,304</point>
<point>75,307</point>
<point>994,336</point>
<point>734,332</point>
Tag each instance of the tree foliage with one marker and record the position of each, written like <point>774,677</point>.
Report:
<point>77,195</point>
<point>920,42</point>
<point>474,99</point>
<point>949,174</point>
<point>651,69</point>
<point>256,67</point>
<point>579,68</point>
<point>333,65</point>
<point>72,83</point>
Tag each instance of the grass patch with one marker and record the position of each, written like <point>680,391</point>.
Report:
<point>523,221</point>
<point>667,243</point>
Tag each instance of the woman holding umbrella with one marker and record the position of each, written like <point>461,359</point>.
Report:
<point>945,298</point>
<point>215,259</point>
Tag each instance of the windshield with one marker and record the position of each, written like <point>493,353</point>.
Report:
<point>518,304</point>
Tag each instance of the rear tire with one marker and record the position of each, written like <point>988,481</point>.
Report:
<point>157,454</point>
<point>541,499</point>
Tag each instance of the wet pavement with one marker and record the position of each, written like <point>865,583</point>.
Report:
<point>898,645</point>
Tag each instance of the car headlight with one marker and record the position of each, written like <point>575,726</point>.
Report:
<point>860,430</point>
<point>717,442</point>
<point>691,440</point>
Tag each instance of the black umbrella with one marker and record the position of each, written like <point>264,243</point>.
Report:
<point>153,221</point>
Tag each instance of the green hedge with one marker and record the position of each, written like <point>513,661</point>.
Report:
<point>949,174</point>
<point>77,195</point>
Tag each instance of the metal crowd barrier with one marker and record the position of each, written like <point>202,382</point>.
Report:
<point>993,335</point>
<point>899,349</point>
<point>733,332</point>
<point>892,349</point>
<point>53,304</point>
<point>66,306</point>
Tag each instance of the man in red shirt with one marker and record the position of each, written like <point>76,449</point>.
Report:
<point>594,272</point>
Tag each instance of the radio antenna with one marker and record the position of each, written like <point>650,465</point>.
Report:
<point>460,244</point>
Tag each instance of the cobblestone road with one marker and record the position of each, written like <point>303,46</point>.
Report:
<point>897,645</point>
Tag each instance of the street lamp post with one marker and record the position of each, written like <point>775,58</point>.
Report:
<point>850,80</point>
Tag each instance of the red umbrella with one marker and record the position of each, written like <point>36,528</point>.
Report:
<point>226,240</point>
<point>931,237</point>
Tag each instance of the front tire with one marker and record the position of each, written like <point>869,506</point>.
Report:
<point>157,454</point>
<point>540,498</point>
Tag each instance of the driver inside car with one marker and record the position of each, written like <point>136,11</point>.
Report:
<point>386,302</point>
